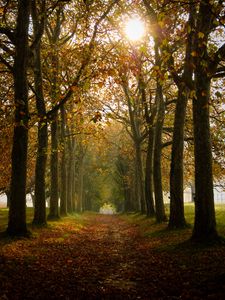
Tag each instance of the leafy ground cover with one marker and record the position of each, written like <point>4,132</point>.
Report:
<point>92,256</point>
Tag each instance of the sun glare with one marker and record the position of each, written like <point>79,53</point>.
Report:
<point>134,29</point>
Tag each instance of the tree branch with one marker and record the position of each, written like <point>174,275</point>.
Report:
<point>8,32</point>
<point>6,64</point>
<point>85,62</point>
<point>218,57</point>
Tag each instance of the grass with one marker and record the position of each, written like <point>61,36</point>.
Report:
<point>4,217</point>
<point>149,228</point>
<point>147,225</point>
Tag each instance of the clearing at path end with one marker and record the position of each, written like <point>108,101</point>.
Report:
<point>106,257</point>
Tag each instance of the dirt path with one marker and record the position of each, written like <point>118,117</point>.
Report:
<point>100,257</point>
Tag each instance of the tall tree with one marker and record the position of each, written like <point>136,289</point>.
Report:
<point>135,111</point>
<point>149,118</point>
<point>183,83</point>
<point>177,219</point>
<point>17,210</point>
<point>38,18</point>
<point>70,153</point>
<point>53,33</point>
<point>205,67</point>
<point>159,204</point>
<point>63,171</point>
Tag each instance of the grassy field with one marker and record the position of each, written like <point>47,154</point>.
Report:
<point>4,217</point>
<point>150,228</point>
<point>147,225</point>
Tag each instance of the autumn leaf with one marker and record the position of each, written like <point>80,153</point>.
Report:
<point>100,84</point>
<point>193,94</point>
<point>201,35</point>
<point>194,54</point>
<point>204,93</point>
<point>74,88</point>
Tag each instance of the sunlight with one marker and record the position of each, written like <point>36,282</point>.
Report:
<point>134,29</point>
<point>107,209</point>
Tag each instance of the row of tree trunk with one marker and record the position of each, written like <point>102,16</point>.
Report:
<point>61,188</point>
<point>198,70</point>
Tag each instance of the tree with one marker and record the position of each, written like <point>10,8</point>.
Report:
<point>205,67</point>
<point>160,210</point>
<point>160,34</point>
<point>77,82</point>
<point>135,110</point>
<point>63,171</point>
<point>40,199</point>
<point>177,219</point>
<point>53,33</point>
<point>150,113</point>
<point>17,210</point>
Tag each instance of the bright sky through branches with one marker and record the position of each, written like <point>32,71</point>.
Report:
<point>134,29</point>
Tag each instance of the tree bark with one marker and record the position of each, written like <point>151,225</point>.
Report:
<point>40,170</point>
<point>69,174</point>
<point>54,195</point>
<point>205,222</point>
<point>177,218</point>
<point>17,210</point>
<point>140,179</point>
<point>159,204</point>
<point>73,174</point>
<point>80,185</point>
<point>149,111</point>
<point>149,175</point>
<point>134,115</point>
<point>54,163</point>
<point>63,173</point>
<point>123,172</point>
<point>41,160</point>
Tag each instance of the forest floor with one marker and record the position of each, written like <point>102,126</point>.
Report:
<point>92,256</point>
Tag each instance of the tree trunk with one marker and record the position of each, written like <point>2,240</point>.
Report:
<point>135,188</point>
<point>80,184</point>
<point>205,223</point>
<point>177,219</point>
<point>69,175</point>
<point>140,180</point>
<point>17,211</point>
<point>149,175</point>
<point>54,196</point>
<point>128,203</point>
<point>159,204</point>
<point>63,189</point>
<point>40,168</point>
<point>127,199</point>
<point>73,175</point>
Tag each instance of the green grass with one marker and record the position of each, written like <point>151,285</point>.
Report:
<point>220,216</point>
<point>4,217</point>
<point>148,226</point>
